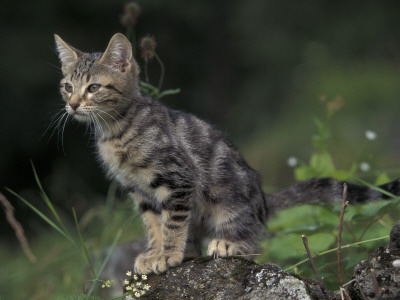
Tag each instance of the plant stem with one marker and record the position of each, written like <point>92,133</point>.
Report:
<point>335,249</point>
<point>146,72</point>
<point>160,83</point>
<point>131,36</point>
<point>104,264</point>
<point>305,242</point>
<point>18,229</point>
<point>344,204</point>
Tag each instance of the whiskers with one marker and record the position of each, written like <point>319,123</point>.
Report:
<point>111,116</point>
<point>99,125</point>
<point>57,123</point>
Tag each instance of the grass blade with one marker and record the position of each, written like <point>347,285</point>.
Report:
<point>335,249</point>
<point>47,200</point>
<point>377,188</point>
<point>46,219</point>
<point>118,235</point>
<point>83,244</point>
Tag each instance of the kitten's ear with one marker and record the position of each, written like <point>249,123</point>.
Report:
<point>118,55</point>
<point>67,54</point>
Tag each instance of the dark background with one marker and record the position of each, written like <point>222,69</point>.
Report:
<point>256,69</point>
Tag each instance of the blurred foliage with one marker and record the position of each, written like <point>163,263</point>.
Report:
<point>319,223</point>
<point>365,226</point>
<point>260,70</point>
<point>62,267</point>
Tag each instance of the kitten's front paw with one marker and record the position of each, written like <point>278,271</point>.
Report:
<point>221,247</point>
<point>157,263</point>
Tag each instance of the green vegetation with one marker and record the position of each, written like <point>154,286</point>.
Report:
<point>365,226</point>
<point>69,264</point>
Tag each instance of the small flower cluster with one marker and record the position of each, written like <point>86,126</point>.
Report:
<point>135,286</point>
<point>107,284</point>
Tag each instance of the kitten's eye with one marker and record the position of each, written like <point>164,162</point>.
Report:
<point>68,88</point>
<point>93,88</point>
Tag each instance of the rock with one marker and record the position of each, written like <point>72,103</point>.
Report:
<point>379,275</point>
<point>237,278</point>
<point>225,278</point>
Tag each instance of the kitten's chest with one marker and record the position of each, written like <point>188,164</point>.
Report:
<point>121,165</point>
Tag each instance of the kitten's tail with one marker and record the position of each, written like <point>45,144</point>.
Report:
<point>327,190</point>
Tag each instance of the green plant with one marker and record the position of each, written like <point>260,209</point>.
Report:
<point>365,226</point>
<point>80,246</point>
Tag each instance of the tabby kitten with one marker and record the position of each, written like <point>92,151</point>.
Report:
<point>188,180</point>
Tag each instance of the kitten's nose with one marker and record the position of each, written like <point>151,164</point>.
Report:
<point>74,106</point>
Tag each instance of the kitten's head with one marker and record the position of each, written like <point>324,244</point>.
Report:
<point>98,84</point>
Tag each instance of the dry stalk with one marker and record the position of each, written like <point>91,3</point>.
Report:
<point>339,245</point>
<point>344,295</point>
<point>305,242</point>
<point>375,283</point>
<point>19,231</point>
<point>359,287</point>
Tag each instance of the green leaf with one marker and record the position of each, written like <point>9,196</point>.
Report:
<point>382,178</point>
<point>354,259</point>
<point>319,242</point>
<point>304,172</point>
<point>292,243</point>
<point>322,163</point>
<point>388,208</point>
<point>169,92</point>
<point>321,139</point>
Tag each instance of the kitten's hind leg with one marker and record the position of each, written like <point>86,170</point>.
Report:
<point>222,247</point>
<point>236,232</point>
<point>194,241</point>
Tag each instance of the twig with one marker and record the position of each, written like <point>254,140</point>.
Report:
<point>375,283</point>
<point>305,242</point>
<point>344,295</point>
<point>344,204</point>
<point>19,231</point>
<point>361,291</point>
<point>359,287</point>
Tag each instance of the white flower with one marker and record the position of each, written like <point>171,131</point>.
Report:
<point>128,273</point>
<point>126,281</point>
<point>144,277</point>
<point>370,135</point>
<point>292,161</point>
<point>364,166</point>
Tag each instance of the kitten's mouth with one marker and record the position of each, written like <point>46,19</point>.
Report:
<point>79,116</point>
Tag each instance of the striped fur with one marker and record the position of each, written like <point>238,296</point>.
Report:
<point>187,178</point>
